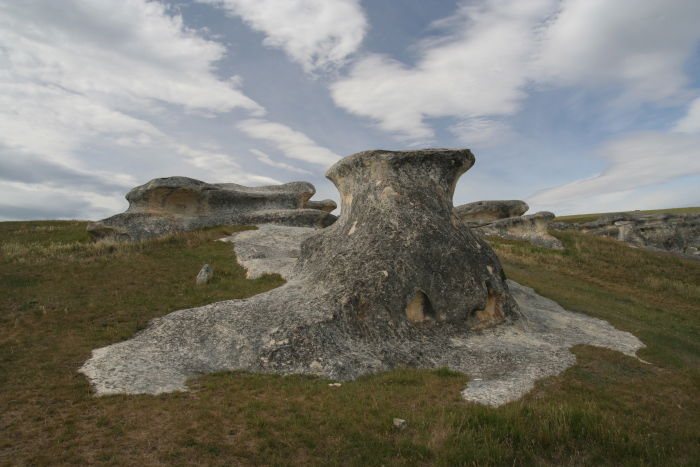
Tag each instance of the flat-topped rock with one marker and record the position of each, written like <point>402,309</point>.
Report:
<point>175,204</point>
<point>490,210</point>
<point>532,228</point>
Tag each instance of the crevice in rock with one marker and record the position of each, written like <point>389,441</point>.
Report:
<point>419,309</point>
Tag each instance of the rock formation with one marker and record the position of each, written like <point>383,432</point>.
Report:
<point>175,204</point>
<point>532,228</point>
<point>504,219</point>
<point>488,211</point>
<point>675,233</point>
<point>398,280</point>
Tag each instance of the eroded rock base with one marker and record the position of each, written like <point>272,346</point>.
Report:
<point>292,329</point>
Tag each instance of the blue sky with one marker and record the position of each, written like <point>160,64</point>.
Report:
<point>574,106</point>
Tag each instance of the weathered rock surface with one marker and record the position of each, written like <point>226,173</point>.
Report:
<point>175,204</point>
<point>488,211</point>
<point>532,228</point>
<point>397,280</point>
<point>670,232</point>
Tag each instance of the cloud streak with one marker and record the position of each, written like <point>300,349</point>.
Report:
<point>293,144</point>
<point>320,35</point>
<point>634,161</point>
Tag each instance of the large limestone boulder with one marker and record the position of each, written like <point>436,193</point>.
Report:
<point>491,210</point>
<point>675,233</point>
<point>175,204</point>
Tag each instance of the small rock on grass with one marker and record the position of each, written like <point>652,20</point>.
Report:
<point>205,275</point>
<point>400,423</point>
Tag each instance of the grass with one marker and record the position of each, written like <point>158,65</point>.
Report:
<point>63,296</point>
<point>581,218</point>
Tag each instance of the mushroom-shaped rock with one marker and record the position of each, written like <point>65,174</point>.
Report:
<point>490,210</point>
<point>397,253</point>
<point>175,204</point>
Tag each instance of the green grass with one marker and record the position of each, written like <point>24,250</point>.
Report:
<point>581,218</point>
<point>63,296</point>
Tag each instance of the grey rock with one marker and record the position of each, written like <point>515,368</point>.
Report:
<point>491,210</point>
<point>561,226</point>
<point>397,255</point>
<point>669,232</point>
<point>176,204</point>
<point>372,304</point>
<point>532,228</point>
<point>205,275</point>
<point>327,205</point>
<point>270,249</point>
<point>400,423</point>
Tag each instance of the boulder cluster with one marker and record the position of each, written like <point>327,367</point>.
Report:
<point>677,233</point>
<point>505,219</point>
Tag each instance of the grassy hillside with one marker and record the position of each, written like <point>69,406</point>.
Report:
<point>581,218</point>
<point>63,296</point>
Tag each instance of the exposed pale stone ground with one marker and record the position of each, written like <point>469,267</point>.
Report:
<point>282,331</point>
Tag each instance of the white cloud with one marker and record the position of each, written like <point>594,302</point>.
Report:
<point>120,53</point>
<point>221,167</point>
<point>82,73</point>
<point>479,68</point>
<point>318,34</point>
<point>491,52</point>
<point>38,201</point>
<point>266,159</point>
<point>690,123</point>
<point>634,161</point>
<point>482,131</point>
<point>642,45</point>
<point>292,143</point>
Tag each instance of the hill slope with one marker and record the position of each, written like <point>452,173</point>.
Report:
<point>63,296</point>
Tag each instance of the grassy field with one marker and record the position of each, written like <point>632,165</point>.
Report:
<point>63,296</point>
<point>581,218</point>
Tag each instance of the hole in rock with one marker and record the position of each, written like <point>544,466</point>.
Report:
<point>492,313</point>
<point>419,309</point>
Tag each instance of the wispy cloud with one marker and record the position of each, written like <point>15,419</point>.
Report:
<point>293,144</point>
<point>318,34</point>
<point>634,161</point>
<point>266,159</point>
<point>690,123</point>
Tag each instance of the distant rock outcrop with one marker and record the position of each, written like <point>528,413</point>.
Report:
<point>532,228</point>
<point>491,210</point>
<point>504,219</point>
<point>677,233</point>
<point>176,204</point>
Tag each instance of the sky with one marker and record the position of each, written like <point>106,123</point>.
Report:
<point>575,106</point>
